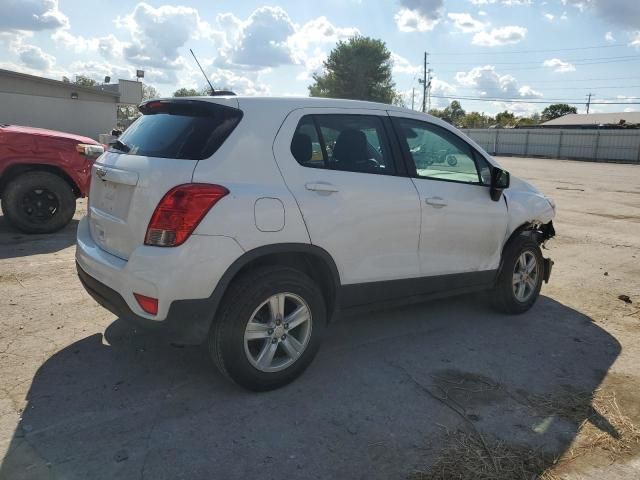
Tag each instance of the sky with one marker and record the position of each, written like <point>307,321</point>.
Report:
<point>492,55</point>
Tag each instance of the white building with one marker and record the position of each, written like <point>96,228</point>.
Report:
<point>41,102</point>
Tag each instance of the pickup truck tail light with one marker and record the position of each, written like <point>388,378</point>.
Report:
<point>89,151</point>
<point>179,213</point>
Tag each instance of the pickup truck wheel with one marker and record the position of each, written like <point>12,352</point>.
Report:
<point>38,202</point>
<point>520,279</point>
<point>268,328</point>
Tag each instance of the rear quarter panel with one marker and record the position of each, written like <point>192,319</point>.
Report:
<point>245,164</point>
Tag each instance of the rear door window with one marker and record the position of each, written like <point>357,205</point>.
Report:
<point>180,129</point>
<point>354,143</point>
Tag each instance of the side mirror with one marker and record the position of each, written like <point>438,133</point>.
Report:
<point>500,180</point>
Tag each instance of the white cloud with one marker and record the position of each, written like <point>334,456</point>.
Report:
<point>31,15</point>
<point>419,15</point>
<point>486,82</point>
<point>262,39</point>
<point>33,57</point>
<point>402,65</point>
<point>466,23</point>
<point>268,38</point>
<point>500,36</point>
<point>509,3</point>
<point>635,41</point>
<point>609,37</point>
<point>581,5</point>
<point>549,17</point>
<point>159,33</point>
<point>412,21</point>
<point>319,31</point>
<point>247,83</point>
<point>559,66</point>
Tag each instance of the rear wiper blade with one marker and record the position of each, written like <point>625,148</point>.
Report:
<point>123,147</point>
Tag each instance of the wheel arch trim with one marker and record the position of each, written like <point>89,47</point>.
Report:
<point>267,250</point>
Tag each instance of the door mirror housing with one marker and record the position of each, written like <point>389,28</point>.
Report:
<point>500,180</point>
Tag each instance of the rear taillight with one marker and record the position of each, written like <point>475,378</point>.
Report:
<point>180,211</point>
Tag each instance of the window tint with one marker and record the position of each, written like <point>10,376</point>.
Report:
<point>354,143</point>
<point>305,145</point>
<point>179,129</point>
<point>437,153</point>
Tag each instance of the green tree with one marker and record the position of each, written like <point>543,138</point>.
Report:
<point>85,81</point>
<point>474,120</point>
<point>437,113</point>
<point>557,110</point>
<point>189,92</point>
<point>359,69</point>
<point>454,113</point>
<point>526,121</point>
<point>505,119</point>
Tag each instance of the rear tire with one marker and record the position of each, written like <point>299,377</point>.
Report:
<point>260,304</point>
<point>38,202</point>
<point>520,279</point>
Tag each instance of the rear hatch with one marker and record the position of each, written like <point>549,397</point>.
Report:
<point>157,152</point>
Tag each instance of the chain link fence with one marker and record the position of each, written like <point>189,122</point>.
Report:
<point>596,145</point>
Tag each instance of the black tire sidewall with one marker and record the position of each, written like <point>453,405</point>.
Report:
<point>236,311</point>
<point>507,300</point>
<point>19,186</point>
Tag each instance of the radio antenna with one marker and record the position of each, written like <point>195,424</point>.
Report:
<point>205,75</point>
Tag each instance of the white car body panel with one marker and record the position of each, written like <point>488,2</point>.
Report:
<point>369,225</point>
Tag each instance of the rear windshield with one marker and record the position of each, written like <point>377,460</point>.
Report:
<point>181,129</point>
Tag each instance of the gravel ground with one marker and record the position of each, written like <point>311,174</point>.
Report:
<point>83,395</point>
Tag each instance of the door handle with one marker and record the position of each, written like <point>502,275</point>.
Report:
<point>436,202</point>
<point>321,187</point>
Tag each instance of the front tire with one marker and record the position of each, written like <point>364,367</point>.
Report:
<point>521,276</point>
<point>38,202</point>
<point>268,328</point>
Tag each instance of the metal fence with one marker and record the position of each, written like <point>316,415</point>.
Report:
<point>598,145</point>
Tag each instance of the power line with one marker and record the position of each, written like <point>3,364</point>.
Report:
<point>520,100</point>
<point>513,52</point>
<point>573,60</point>
<point>633,77</point>
<point>540,67</point>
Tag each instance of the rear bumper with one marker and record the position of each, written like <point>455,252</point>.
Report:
<point>187,322</point>
<point>183,279</point>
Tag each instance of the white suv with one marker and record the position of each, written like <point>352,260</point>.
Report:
<point>248,222</point>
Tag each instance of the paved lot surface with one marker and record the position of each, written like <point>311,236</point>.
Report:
<point>83,395</point>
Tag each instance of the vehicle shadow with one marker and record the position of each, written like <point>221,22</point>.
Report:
<point>127,405</point>
<point>15,244</point>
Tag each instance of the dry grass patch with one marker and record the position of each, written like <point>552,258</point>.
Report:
<point>601,428</point>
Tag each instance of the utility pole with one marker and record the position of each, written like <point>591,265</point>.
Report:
<point>413,96</point>
<point>589,102</point>
<point>423,81</point>
<point>429,89</point>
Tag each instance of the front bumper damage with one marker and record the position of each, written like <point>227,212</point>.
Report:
<point>544,233</point>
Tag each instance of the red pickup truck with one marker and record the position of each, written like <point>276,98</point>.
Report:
<point>42,173</point>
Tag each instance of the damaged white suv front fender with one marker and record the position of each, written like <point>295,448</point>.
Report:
<point>527,205</point>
